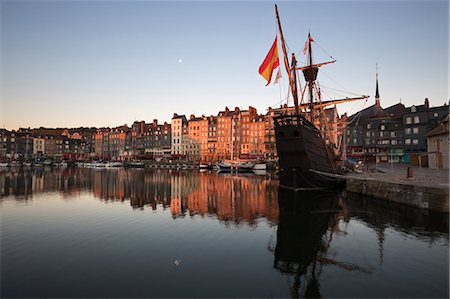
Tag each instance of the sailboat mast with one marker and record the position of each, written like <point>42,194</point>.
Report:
<point>292,79</point>
<point>310,82</point>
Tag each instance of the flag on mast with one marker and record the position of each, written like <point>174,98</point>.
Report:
<point>270,63</point>
<point>305,48</point>
<point>278,76</point>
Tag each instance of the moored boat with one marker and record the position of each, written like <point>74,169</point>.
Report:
<point>260,166</point>
<point>232,165</point>
<point>308,157</point>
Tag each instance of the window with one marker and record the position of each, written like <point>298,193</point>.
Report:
<point>436,114</point>
<point>416,119</point>
<point>415,141</point>
<point>408,131</point>
<point>408,141</point>
<point>367,141</point>
<point>393,134</point>
<point>408,120</point>
<point>355,140</point>
<point>416,130</point>
<point>368,134</point>
<point>381,134</point>
<point>382,127</point>
<point>394,142</point>
<point>413,109</point>
<point>369,126</point>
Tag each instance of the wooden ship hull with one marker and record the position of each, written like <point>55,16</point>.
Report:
<point>302,153</point>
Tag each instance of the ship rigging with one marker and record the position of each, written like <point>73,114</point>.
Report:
<point>306,150</point>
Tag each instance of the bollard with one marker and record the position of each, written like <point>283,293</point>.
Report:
<point>409,173</point>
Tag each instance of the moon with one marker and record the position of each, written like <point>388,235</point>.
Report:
<point>180,60</point>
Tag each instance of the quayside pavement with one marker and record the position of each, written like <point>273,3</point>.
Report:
<point>426,188</point>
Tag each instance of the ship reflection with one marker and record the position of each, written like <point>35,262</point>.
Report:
<point>307,222</point>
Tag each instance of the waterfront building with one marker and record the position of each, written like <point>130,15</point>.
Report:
<point>53,146</point>
<point>243,136</point>
<point>254,146</point>
<point>198,138</point>
<point>223,135</point>
<point>38,146</point>
<point>233,133</point>
<point>210,155</point>
<point>118,142</point>
<point>418,122</point>
<point>179,127</point>
<point>438,145</point>
<point>270,149</point>
<point>23,149</point>
<point>6,138</point>
<point>157,140</point>
<point>394,134</point>
<point>137,130</point>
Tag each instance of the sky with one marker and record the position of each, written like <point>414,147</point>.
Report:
<point>109,63</point>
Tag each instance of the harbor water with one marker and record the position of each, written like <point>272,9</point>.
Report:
<point>75,232</point>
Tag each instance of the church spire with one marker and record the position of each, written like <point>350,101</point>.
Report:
<point>377,93</point>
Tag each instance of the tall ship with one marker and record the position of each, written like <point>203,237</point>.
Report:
<point>308,157</point>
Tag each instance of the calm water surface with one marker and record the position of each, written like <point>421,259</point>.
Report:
<point>161,233</point>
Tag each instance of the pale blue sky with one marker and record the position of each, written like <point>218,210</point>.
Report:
<point>106,63</point>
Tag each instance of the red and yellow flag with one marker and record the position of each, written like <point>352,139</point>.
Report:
<point>270,63</point>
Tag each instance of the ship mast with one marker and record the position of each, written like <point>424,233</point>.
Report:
<point>291,72</point>
<point>310,78</point>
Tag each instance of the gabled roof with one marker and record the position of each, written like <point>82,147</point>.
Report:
<point>369,112</point>
<point>395,110</point>
<point>441,129</point>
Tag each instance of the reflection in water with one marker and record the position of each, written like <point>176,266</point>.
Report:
<point>306,225</point>
<point>309,220</point>
<point>314,235</point>
<point>231,198</point>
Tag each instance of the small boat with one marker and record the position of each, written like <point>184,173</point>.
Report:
<point>4,165</point>
<point>231,165</point>
<point>205,166</point>
<point>113,164</point>
<point>260,166</point>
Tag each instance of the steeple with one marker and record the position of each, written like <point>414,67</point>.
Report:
<point>377,93</point>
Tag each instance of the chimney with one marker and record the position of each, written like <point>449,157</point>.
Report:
<point>427,103</point>
<point>175,115</point>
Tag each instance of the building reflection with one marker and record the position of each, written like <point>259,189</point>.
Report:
<point>230,198</point>
<point>307,223</point>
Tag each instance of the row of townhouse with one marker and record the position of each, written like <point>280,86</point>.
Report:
<point>393,134</point>
<point>232,134</point>
<point>28,144</point>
